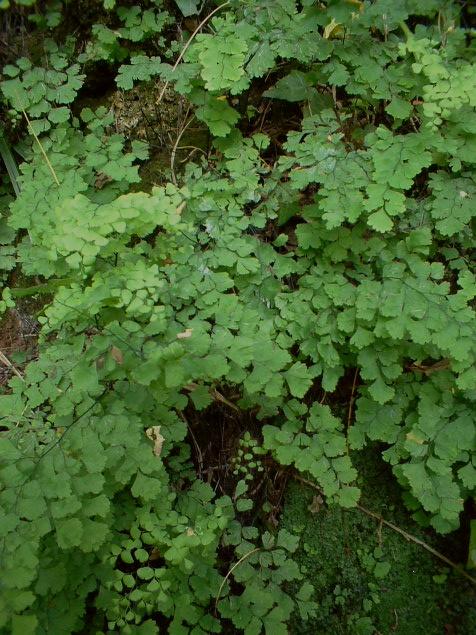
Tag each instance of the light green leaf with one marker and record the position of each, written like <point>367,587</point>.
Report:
<point>399,108</point>
<point>299,379</point>
<point>188,7</point>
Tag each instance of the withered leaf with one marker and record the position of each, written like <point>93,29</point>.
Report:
<point>154,435</point>
<point>316,504</point>
<point>184,334</point>
<point>117,355</point>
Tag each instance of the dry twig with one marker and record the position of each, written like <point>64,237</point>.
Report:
<point>175,147</point>
<point>4,359</point>
<point>247,555</point>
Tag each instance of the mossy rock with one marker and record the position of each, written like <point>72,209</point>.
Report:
<point>368,578</point>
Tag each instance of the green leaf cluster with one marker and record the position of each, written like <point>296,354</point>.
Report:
<point>282,278</point>
<point>43,93</point>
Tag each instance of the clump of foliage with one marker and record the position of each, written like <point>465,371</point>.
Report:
<point>43,93</point>
<point>273,270</point>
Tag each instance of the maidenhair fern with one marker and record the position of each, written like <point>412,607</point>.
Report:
<point>284,277</point>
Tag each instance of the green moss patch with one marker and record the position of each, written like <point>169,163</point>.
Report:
<point>368,578</point>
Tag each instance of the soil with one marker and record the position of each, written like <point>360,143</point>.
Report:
<point>18,343</point>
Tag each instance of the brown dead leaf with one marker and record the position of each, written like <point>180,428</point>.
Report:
<point>117,355</point>
<point>154,435</point>
<point>154,554</point>
<point>101,180</point>
<point>316,504</point>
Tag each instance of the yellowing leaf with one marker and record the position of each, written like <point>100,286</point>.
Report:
<point>181,207</point>
<point>333,30</point>
<point>412,437</point>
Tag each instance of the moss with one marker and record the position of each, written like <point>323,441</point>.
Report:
<point>368,578</point>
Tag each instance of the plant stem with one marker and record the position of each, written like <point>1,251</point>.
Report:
<point>40,289</point>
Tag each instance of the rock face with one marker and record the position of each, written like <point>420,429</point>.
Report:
<point>138,114</point>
